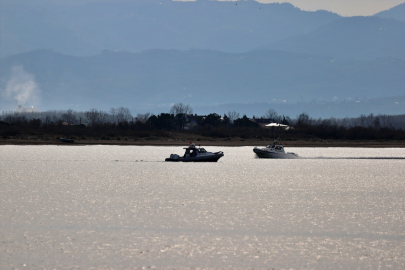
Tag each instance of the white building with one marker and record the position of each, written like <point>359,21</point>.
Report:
<point>22,109</point>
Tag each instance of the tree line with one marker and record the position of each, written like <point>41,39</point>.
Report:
<point>119,122</point>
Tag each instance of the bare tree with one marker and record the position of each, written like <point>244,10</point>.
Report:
<point>181,108</point>
<point>123,114</point>
<point>69,117</point>
<point>47,120</point>
<point>345,122</point>
<point>120,115</point>
<point>273,115</point>
<point>385,121</point>
<point>95,117</point>
<point>180,111</point>
<point>303,119</point>
<point>142,118</point>
<point>113,113</point>
<point>376,123</point>
<point>233,116</point>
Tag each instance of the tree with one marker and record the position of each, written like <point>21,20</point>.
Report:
<point>232,116</point>
<point>180,111</point>
<point>69,117</point>
<point>245,122</point>
<point>273,115</point>
<point>180,120</point>
<point>303,119</point>
<point>113,113</point>
<point>142,118</point>
<point>162,121</point>
<point>286,121</point>
<point>181,108</point>
<point>123,115</point>
<point>362,119</point>
<point>35,123</point>
<point>376,123</point>
<point>212,119</point>
<point>225,120</point>
<point>95,117</point>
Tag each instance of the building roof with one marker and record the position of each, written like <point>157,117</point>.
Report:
<point>278,125</point>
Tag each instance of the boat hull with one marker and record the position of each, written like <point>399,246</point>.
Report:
<point>210,158</point>
<point>67,140</point>
<point>270,154</point>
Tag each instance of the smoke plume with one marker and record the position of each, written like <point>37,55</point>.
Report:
<point>22,86</point>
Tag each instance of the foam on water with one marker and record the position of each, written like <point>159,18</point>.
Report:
<point>122,207</point>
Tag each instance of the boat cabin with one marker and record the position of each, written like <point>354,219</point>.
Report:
<point>274,147</point>
<point>194,152</point>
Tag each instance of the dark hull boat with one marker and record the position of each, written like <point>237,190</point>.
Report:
<point>193,154</point>
<point>67,140</point>
<point>213,158</point>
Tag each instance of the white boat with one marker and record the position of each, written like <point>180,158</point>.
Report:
<point>193,154</point>
<point>273,151</point>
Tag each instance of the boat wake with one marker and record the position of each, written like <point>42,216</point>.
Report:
<point>377,158</point>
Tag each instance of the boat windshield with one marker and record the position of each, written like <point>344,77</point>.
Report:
<point>190,152</point>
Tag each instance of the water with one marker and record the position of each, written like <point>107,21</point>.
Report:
<point>121,207</point>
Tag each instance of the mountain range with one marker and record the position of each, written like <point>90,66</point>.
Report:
<point>146,55</point>
<point>365,38</point>
<point>397,13</point>
<point>156,78</point>
<point>135,26</point>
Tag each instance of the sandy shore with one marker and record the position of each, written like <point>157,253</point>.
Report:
<point>214,142</point>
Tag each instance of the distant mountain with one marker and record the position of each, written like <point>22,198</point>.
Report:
<point>133,26</point>
<point>397,13</point>
<point>154,79</point>
<point>353,37</point>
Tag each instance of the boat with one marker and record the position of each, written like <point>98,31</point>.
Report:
<point>275,150</point>
<point>66,140</point>
<point>193,154</point>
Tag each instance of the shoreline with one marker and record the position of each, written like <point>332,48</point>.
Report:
<point>204,143</point>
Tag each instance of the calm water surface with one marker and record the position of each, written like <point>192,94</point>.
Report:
<point>120,207</point>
